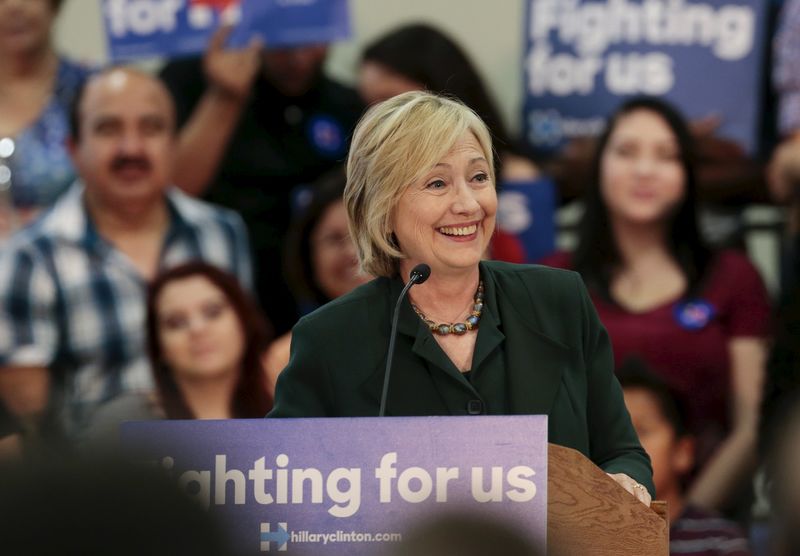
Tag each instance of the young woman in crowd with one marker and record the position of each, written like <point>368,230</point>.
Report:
<point>206,338</point>
<point>321,262</point>
<point>419,57</point>
<point>698,318</point>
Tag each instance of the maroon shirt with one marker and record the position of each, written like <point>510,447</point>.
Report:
<point>698,532</point>
<point>696,362</point>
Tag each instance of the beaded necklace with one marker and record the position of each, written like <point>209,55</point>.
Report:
<point>457,328</point>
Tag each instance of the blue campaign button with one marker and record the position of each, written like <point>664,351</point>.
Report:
<point>326,136</point>
<point>694,314</point>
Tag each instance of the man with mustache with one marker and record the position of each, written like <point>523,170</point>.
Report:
<point>72,285</point>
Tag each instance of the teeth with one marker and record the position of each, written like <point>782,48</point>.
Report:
<point>459,231</point>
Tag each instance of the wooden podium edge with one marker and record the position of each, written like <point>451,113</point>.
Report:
<point>589,513</point>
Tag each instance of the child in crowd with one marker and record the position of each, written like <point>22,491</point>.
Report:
<point>658,418</point>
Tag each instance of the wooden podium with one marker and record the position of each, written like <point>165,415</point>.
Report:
<point>588,513</point>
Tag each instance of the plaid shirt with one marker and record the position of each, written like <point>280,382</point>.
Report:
<point>71,302</point>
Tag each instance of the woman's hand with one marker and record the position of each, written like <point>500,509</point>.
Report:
<point>638,490</point>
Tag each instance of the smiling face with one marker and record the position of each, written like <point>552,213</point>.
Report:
<point>447,218</point>
<point>641,174</point>
<point>126,141</point>
<point>200,333</point>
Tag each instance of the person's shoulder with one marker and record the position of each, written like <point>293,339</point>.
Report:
<point>559,259</point>
<point>356,305</point>
<point>534,274</point>
<point>201,213</point>
<point>732,274</point>
<point>732,260</point>
<point>62,222</point>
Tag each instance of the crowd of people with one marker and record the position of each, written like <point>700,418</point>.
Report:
<point>172,246</point>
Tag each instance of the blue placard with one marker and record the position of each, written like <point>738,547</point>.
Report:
<point>526,211</point>
<point>351,486</point>
<point>172,28</point>
<point>583,57</point>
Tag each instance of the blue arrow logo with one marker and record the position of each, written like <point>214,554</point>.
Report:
<point>280,537</point>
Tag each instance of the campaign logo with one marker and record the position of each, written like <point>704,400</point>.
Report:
<point>694,314</point>
<point>148,17</point>
<point>545,128</point>
<point>326,136</point>
<point>202,14</point>
<point>279,538</point>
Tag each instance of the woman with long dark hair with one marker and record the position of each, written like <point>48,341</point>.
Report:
<point>320,259</point>
<point>419,57</point>
<point>205,341</point>
<point>697,317</point>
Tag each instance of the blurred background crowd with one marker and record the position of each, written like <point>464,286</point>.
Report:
<point>164,225</point>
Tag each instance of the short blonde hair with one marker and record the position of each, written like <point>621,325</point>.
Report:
<point>394,145</point>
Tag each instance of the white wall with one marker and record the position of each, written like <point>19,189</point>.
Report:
<point>491,31</point>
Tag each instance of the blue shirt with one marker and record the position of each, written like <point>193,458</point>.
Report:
<point>40,165</point>
<point>71,302</point>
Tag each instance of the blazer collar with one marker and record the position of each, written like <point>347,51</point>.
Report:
<point>534,361</point>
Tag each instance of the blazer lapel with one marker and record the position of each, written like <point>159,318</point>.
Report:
<point>413,388</point>
<point>534,362</point>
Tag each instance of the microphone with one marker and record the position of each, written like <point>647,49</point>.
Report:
<point>418,275</point>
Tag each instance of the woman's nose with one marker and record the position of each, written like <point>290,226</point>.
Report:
<point>465,201</point>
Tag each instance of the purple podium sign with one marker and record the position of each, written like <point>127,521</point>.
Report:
<point>351,485</point>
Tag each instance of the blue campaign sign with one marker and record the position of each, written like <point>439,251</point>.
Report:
<point>171,28</point>
<point>526,210</point>
<point>351,486</point>
<point>584,57</point>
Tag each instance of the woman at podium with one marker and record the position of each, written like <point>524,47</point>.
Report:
<point>472,336</point>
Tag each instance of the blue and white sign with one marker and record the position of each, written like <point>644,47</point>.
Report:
<point>351,486</point>
<point>526,211</point>
<point>171,28</point>
<point>584,57</point>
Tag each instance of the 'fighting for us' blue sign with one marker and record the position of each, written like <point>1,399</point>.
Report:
<point>582,58</point>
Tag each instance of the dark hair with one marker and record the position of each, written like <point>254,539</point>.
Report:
<point>298,260</point>
<point>251,398</point>
<point>428,56</point>
<point>634,373</point>
<point>597,256</point>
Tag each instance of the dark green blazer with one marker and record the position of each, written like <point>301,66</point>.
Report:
<point>538,321</point>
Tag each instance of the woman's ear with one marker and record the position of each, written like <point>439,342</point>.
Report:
<point>683,455</point>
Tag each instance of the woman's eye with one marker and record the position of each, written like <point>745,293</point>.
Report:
<point>625,150</point>
<point>481,178</point>
<point>175,322</point>
<point>213,310</point>
<point>436,184</point>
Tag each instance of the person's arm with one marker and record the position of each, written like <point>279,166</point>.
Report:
<point>735,459</point>
<point>25,393</point>
<point>28,336</point>
<point>204,138</point>
<point>615,446</point>
<point>304,388</point>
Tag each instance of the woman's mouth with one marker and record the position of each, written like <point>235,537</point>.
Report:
<point>459,231</point>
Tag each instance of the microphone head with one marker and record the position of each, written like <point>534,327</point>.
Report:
<point>420,273</point>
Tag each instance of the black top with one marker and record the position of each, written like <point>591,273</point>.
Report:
<point>280,142</point>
